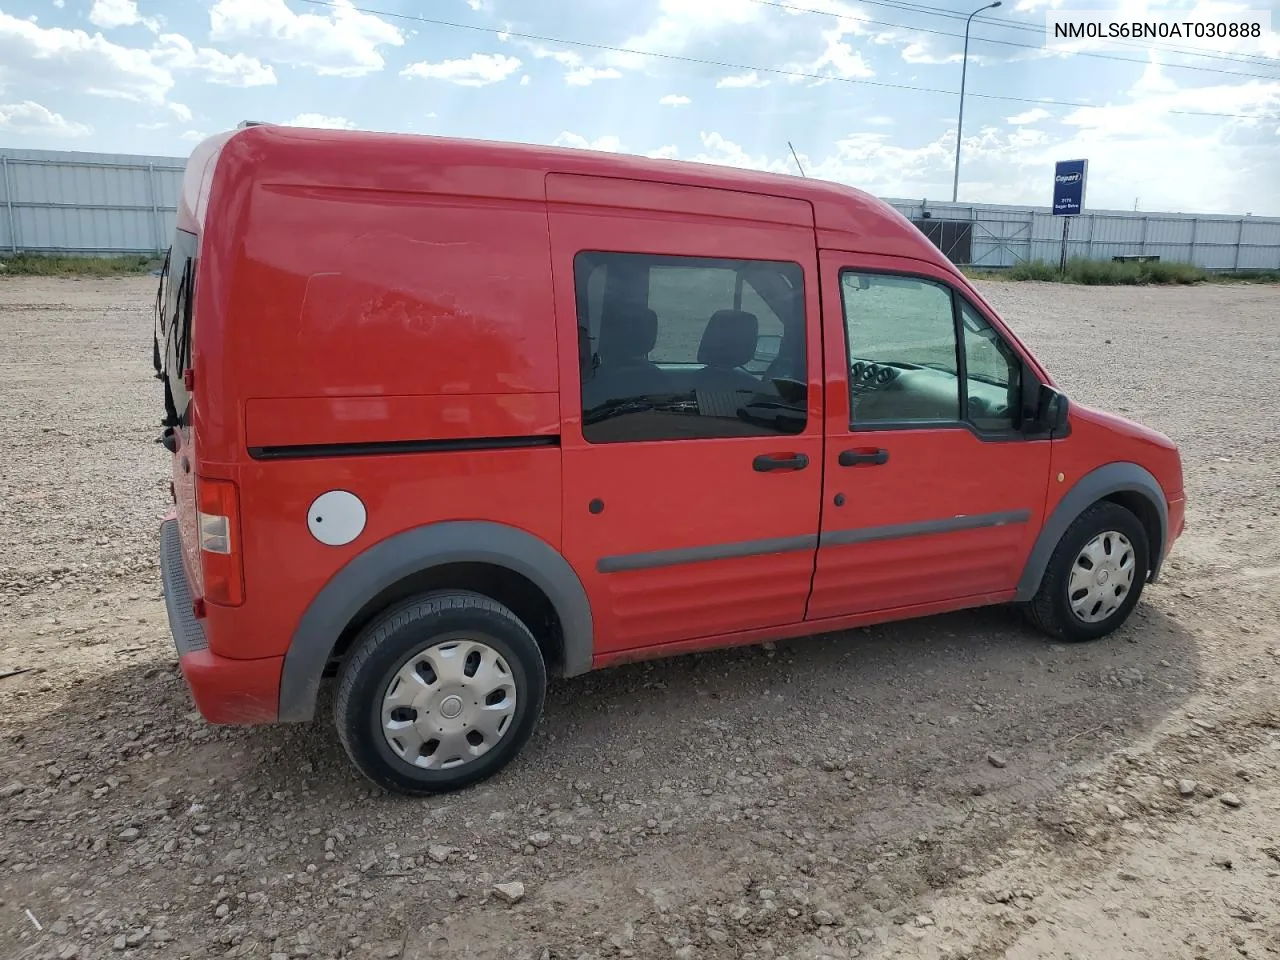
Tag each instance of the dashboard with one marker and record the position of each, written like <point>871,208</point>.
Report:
<point>912,391</point>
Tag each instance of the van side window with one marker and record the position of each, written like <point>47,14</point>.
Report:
<point>992,375</point>
<point>179,288</point>
<point>682,348</point>
<point>901,337</point>
<point>906,365</point>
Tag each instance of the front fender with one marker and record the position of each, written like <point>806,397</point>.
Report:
<point>1097,484</point>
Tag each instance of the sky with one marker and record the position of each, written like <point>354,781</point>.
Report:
<point>866,91</point>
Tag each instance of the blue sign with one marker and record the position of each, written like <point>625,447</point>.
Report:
<point>1068,187</point>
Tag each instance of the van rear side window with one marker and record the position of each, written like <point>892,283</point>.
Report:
<point>177,298</point>
<point>682,348</point>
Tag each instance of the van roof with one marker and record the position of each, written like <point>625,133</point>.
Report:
<point>415,163</point>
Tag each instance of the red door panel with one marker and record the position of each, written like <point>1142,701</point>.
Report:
<point>915,513</point>
<point>692,535</point>
<point>664,506</point>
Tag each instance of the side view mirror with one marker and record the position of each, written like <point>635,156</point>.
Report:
<point>1052,411</point>
<point>1045,409</point>
<point>768,347</point>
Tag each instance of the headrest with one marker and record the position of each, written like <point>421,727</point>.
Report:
<point>730,339</point>
<point>628,334</point>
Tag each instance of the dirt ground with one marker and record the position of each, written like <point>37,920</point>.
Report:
<point>953,787</point>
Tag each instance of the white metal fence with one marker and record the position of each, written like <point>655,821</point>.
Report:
<point>57,202</point>
<point>1001,236</point>
<point>54,202</point>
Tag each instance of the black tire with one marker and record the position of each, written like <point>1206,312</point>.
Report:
<point>405,631</point>
<point>1050,610</point>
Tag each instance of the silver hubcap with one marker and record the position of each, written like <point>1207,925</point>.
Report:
<point>449,704</point>
<point>1101,576</point>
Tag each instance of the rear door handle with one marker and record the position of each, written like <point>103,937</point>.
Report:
<point>786,461</point>
<point>853,458</point>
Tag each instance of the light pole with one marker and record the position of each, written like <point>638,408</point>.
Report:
<point>964,66</point>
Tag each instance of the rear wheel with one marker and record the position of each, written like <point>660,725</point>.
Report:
<point>440,692</point>
<point>1095,576</point>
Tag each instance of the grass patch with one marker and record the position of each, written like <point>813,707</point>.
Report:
<point>1111,273</point>
<point>1100,273</point>
<point>45,265</point>
<point>1246,276</point>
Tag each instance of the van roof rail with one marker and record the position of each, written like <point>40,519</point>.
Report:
<point>252,123</point>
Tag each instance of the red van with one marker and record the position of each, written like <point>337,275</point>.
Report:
<point>448,418</point>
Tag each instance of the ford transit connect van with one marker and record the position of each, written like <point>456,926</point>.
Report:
<point>448,418</point>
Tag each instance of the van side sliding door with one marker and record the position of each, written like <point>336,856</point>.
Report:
<point>690,405</point>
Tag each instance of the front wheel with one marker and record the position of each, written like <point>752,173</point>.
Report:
<point>1095,576</point>
<point>440,692</point>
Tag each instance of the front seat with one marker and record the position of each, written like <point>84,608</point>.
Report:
<point>728,343</point>
<point>624,368</point>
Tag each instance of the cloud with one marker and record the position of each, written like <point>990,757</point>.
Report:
<point>1034,115</point>
<point>192,136</point>
<point>838,58</point>
<point>880,121</point>
<point>71,59</point>
<point>585,76</point>
<point>566,58</point>
<point>1154,96</point>
<point>577,72</point>
<point>669,152</point>
<point>320,122</point>
<point>742,81</point>
<point>234,70</point>
<point>344,42</point>
<point>681,23</point>
<point>477,70</point>
<point>675,100</point>
<point>29,118</point>
<point>1153,79</point>
<point>180,110</point>
<point>608,143</point>
<point>719,149</point>
<point>836,8</point>
<point>919,51</point>
<point>109,14</point>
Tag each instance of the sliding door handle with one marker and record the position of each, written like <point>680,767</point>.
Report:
<point>780,461</point>
<point>855,458</point>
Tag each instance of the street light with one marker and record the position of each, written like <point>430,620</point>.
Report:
<point>964,66</point>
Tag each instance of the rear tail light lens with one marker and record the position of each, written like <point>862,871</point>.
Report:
<point>215,533</point>
<point>220,554</point>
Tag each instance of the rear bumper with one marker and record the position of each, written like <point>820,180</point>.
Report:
<point>226,691</point>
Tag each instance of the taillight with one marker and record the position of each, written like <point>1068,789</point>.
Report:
<point>219,529</point>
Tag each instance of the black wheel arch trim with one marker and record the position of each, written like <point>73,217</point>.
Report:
<point>410,552</point>
<point>1098,484</point>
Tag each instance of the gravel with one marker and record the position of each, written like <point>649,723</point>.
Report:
<point>844,775</point>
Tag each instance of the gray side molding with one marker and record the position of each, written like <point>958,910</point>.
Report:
<point>410,552</point>
<point>1093,486</point>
